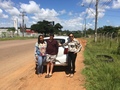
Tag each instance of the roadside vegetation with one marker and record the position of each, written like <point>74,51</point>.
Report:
<point>16,38</point>
<point>102,73</point>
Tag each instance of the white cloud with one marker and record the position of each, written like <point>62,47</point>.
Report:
<point>1,11</point>
<point>88,1</point>
<point>13,11</point>
<point>90,13</point>
<point>6,4</point>
<point>116,4</point>
<point>45,14</point>
<point>62,12</point>
<point>2,15</point>
<point>72,24</point>
<point>101,12</point>
<point>32,7</point>
<point>48,12</point>
<point>37,13</point>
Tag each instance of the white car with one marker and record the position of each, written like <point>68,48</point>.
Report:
<point>61,59</point>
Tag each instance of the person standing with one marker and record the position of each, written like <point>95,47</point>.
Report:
<point>74,47</point>
<point>40,54</point>
<point>51,51</point>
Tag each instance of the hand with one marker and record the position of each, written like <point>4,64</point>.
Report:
<point>59,44</point>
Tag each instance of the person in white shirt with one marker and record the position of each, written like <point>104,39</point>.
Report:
<point>40,54</point>
<point>74,47</point>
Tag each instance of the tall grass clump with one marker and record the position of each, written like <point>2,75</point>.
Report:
<point>101,74</point>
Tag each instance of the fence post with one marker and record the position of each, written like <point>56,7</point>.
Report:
<point>111,39</point>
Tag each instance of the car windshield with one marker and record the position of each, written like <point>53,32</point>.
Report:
<point>61,41</point>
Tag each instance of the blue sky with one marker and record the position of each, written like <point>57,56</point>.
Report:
<point>70,14</point>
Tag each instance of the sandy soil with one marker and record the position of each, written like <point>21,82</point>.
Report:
<point>17,69</point>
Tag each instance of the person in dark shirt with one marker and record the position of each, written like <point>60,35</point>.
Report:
<point>51,53</point>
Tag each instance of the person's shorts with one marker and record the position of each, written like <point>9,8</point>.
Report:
<point>50,58</point>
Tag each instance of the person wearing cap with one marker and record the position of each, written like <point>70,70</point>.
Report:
<point>74,47</point>
<point>51,53</point>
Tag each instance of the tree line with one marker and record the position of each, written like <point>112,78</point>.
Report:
<point>46,27</point>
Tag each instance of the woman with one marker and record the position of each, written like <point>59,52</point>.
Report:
<point>40,54</point>
<point>74,47</point>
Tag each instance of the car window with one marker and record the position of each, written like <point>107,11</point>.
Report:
<point>60,41</point>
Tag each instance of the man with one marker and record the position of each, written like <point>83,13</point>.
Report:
<point>74,47</point>
<point>51,51</point>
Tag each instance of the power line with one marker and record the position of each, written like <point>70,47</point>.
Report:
<point>86,16</point>
<point>106,3</point>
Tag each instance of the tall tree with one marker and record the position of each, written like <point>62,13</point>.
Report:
<point>57,28</point>
<point>46,27</point>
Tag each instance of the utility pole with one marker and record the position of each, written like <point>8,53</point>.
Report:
<point>23,26</point>
<point>85,27</point>
<point>96,18</point>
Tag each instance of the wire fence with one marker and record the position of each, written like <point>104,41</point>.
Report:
<point>109,40</point>
<point>108,37</point>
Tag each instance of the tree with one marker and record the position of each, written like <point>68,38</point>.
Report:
<point>90,31</point>
<point>57,28</point>
<point>40,27</point>
<point>109,29</point>
<point>46,27</point>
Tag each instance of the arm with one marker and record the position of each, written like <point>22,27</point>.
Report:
<point>36,51</point>
<point>78,46</point>
<point>65,44</point>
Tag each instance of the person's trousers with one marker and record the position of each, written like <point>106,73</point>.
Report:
<point>40,62</point>
<point>71,62</point>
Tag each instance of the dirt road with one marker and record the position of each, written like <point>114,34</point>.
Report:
<point>17,69</point>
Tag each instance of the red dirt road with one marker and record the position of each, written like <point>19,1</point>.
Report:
<point>17,69</point>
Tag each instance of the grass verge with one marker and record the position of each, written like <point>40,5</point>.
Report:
<point>101,75</point>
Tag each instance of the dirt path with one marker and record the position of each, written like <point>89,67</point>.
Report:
<point>17,69</point>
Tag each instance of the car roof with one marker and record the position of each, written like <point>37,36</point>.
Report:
<point>58,37</point>
<point>66,38</point>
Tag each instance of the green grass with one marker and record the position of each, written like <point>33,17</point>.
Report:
<point>16,38</point>
<point>101,75</point>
